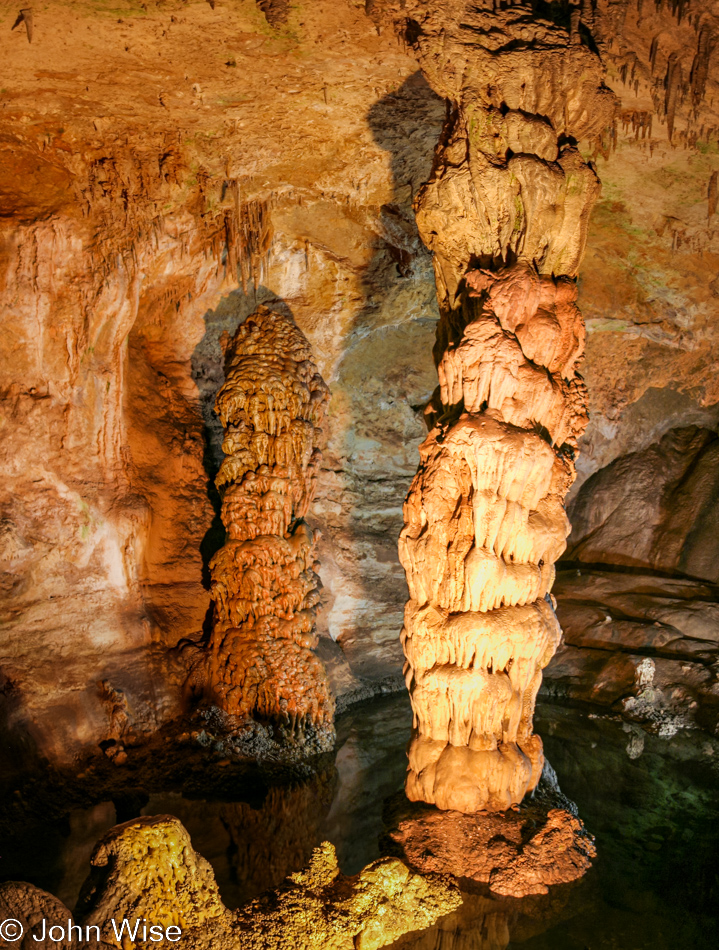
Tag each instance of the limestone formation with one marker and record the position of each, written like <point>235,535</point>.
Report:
<point>525,851</point>
<point>318,909</point>
<point>30,916</point>
<point>147,869</point>
<point>505,214</point>
<point>264,582</point>
<point>123,236</point>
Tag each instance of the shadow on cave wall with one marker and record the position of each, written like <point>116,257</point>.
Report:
<point>398,316</point>
<point>406,124</point>
<point>387,376</point>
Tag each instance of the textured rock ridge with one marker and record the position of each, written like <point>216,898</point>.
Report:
<point>505,213</point>
<point>28,906</point>
<point>265,587</point>
<point>148,869</point>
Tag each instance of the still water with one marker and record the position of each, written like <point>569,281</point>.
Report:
<point>652,803</point>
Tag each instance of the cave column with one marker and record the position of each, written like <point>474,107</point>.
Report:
<point>505,215</point>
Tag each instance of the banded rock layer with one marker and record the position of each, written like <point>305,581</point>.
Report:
<point>505,214</point>
<point>264,582</point>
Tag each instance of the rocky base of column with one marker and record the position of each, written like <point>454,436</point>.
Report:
<point>525,850</point>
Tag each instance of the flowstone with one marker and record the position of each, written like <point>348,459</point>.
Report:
<point>147,869</point>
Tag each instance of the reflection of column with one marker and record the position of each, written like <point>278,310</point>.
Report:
<point>264,581</point>
<point>505,215</point>
<point>276,839</point>
<point>479,924</point>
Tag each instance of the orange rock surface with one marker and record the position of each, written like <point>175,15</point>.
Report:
<point>265,587</point>
<point>522,852</point>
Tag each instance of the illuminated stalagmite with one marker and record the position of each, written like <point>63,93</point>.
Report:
<point>505,215</point>
<point>264,581</point>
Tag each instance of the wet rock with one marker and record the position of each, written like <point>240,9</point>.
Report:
<point>148,869</point>
<point>645,645</point>
<point>522,851</point>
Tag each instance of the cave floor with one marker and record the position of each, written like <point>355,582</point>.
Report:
<point>650,801</point>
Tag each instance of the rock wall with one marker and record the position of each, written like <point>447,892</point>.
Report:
<point>126,253</point>
<point>638,596</point>
<point>647,288</point>
<point>655,509</point>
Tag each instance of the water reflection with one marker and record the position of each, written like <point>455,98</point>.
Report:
<point>254,846</point>
<point>654,884</point>
<point>479,924</point>
<point>486,923</point>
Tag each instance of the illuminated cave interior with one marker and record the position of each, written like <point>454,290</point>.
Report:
<point>359,520</point>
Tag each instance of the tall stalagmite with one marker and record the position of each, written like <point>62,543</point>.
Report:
<point>264,582</point>
<point>505,214</point>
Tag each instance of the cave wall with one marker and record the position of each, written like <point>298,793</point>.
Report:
<point>171,200</point>
<point>648,288</point>
<point>167,166</point>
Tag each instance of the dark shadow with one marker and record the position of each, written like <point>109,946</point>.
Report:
<point>19,753</point>
<point>384,388</point>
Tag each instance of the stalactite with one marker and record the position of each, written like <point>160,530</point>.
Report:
<point>700,65</point>
<point>505,214</point>
<point>639,122</point>
<point>673,85</point>
<point>712,195</point>
<point>264,582</point>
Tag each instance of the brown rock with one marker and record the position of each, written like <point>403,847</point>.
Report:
<point>516,853</point>
<point>27,913</point>
<point>653,509</point>
<point>259,661</point>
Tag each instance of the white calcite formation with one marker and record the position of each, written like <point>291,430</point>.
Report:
<point>484,524</point>
<point>505,214</point>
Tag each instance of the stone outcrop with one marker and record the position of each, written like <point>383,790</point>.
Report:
<point>128,227</point>
<point>37,913</point>
<point>265,586</point>
<point>525,851</point>
<point>318,908</point>
<point>484,517</point>
<point>148,869</point>
<point>645,646</point>
<point>654,509</point>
